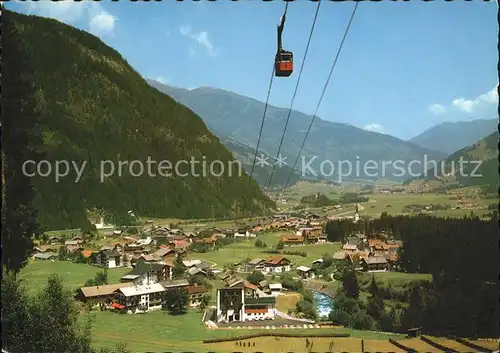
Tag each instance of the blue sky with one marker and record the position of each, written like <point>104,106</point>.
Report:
<point>404,67</point>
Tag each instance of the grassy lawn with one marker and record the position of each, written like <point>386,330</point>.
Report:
<point>36,273</point>
<point>395,278</point>
<point>285,302</point>
<point>239,251</point>
<point>181,333</point>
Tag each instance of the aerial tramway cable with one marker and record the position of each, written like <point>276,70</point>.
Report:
<point>295,92</point>
<point>321,98</point>
<point>262,122</point>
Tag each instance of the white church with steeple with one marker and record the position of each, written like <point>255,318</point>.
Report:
<point>356,215</point>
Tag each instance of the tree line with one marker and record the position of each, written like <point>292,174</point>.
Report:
<point>463,258</point>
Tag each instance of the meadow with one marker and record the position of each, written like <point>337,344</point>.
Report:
<point>74,275</point>
<point>183,333</point>
<point>240,250</point>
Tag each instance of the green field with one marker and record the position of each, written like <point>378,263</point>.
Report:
<point>394,278</point>
<point>158,331</point>
<point>239,251</point>
<point>74,276</point>
<point>378,203</point>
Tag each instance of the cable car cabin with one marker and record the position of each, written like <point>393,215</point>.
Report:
<point>284,64</point>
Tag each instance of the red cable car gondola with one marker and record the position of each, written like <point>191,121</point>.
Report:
<point>283,62</point>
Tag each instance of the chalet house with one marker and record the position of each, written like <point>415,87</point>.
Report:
<point>104,294</point>
<point>147,258</point>
<point>54,241</point>
<point>350,248</point>
<point>120,247</point>
<point>179,245</point>
<point>79,239</point>
<point>305,272</point>
<point>292,239</point>
<point>211,240</point>
<point>45,256</point>
<point>197,271</point>
<point>254,265</point>
<point>312,236</point>
<point>374,263</point>
<point>148,272</point>
<point>244,233</point>
<point>146,242</point>
<point>130,240</point>
<point>72,242</point>
<point>45,248</point>
<point>264,285</point>
<point>340,255</point>
<point>109,259</point>
<point>195,294</point>
<point>164,253</point>
<point>277,264</point>
<point>191,235</point>
<point>190,263</point>
<point>275,288</point>
<point>241,301</point>
<point>139,298</point>
<point>134,248</point>
<point>172,284</point>
<point>317,262</point>
<point>74,248</point>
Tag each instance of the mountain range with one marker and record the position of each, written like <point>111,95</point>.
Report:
<point>230,115</point>
<point>450,137</point>
<point>93,107</point>
<point>480,167</point>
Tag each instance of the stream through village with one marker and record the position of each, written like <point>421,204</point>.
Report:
<point>323,304</point>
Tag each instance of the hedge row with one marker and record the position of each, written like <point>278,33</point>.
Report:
<point>284,335</point>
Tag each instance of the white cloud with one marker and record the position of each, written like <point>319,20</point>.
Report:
<point>201,38</point>
<point>163,80</point>
<point>478,105</point>
<point>65,11</point>
<point>491,96</point>
<point>100,22</point>
<point>103,23</point>
<point>374,127</point>
<point>437,109</point>
<point>464,104</point>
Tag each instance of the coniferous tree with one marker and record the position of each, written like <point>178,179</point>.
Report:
<point>350,283</point>
<point>20,139</point>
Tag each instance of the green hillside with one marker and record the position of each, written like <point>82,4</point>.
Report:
<point>450,137</point>
<point>481,168</point>
<point>93,106</point>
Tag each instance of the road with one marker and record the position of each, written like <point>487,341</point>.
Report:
<point>360,208</point>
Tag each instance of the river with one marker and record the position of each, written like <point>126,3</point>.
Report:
<point>323,304</point>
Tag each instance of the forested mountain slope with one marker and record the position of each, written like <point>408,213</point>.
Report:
<point>239,117</point>
<point>479,166</point>
<point>92,107</point>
